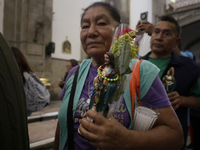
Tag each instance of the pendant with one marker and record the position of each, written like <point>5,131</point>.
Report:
<point>88,100</point>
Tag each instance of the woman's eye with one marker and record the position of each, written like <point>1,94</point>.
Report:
<point>85,26</point>
<point>102,24</point>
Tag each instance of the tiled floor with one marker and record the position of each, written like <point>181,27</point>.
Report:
<point>44,129</point>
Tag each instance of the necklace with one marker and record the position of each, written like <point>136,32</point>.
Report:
<point>110,74</point>
<point>89,96</point>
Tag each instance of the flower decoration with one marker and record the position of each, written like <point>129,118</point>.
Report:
<point>124,49</point>
<point>129,31</point>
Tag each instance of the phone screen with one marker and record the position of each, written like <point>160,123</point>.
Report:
<point>144,16</point>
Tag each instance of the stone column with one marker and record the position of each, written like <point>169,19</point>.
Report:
<point>28,26</point>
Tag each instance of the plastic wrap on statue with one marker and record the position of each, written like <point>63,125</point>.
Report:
<point>112,79</point>
<point>104,84</point>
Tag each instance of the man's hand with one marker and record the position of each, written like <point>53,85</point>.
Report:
<point>145,26</point>
<point>61,83</point>
<point>104,133</point>
<point>175,99</point>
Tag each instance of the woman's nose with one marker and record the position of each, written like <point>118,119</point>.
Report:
<point>93,32</point>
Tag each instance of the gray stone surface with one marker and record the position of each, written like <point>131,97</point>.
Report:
<point>58,70</point>
<point>45,129</point>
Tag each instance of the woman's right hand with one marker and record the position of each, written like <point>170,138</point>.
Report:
<point>105,134</point>
<point>109,134</point>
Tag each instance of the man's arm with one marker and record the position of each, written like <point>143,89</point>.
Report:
<point>110,134</point>
<point>190,101</point>
<point>177,100</point>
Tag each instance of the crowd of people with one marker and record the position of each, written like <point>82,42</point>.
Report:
<point>168,80</point>
<point>98,24</point>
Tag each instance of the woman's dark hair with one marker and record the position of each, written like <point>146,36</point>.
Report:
<point>172,20</point>
<point>73,62</point>
<point>111,58</point>
<point>21,60</point>
<point>113,11</point>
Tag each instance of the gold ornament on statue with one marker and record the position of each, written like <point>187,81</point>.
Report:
<point>169,80</point>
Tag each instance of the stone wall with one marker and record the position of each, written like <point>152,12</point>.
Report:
<point>25,18</point>
<point>22,18</point>
<point>58,71</point>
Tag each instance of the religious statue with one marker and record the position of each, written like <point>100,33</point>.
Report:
<point>169,80</point>
<point>104,84</point>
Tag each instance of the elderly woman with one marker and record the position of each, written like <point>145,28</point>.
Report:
<point>98,24</point>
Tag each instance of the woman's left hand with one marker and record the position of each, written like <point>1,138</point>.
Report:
<point>105,134</point>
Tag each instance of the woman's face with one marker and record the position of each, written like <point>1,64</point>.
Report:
<point>69,66</point>
<point>97,29</point>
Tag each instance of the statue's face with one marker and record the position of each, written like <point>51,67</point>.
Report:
<point>106,59</point>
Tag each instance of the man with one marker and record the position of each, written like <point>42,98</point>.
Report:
<point>183,90</point>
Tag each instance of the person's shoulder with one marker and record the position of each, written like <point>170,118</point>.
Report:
<point>188,61</point>
<point>72,71</point>
<point>187,53</point>
<point>188,64</point>
<point>145,57</point>
<point>145,65</point>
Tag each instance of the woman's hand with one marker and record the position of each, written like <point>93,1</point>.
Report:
<point>105,134</point>
<point>111,135</point>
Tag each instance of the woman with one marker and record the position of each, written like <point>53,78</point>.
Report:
<point>98,24</point>
<point>37,96</point>
<point>70,64</point>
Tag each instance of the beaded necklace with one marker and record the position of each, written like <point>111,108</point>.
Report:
<point>109,75</point>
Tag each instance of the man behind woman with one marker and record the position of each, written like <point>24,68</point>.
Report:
<point>165,54</point>
<point>98,24</point>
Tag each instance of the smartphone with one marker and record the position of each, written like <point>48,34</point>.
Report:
<point>144,16</point>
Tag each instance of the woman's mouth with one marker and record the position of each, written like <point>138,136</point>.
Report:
<point>93,44</point>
